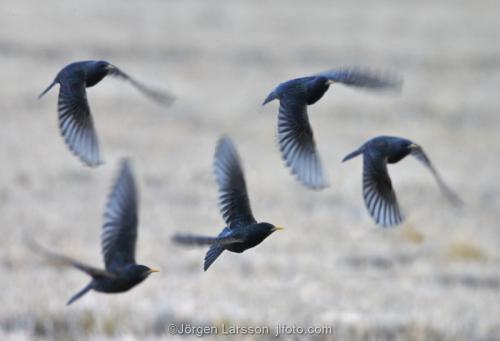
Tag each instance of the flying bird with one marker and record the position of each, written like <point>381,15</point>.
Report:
<point>75,119</point>
<point>118,241</point>
<point>295,135</point>
<point>378,193</point>
<point>242,231</point>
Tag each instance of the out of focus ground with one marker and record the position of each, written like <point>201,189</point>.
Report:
<point>435,277</point>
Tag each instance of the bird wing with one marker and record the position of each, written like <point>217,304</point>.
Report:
<point>215,250</point>
<point>67,261</point>
<point>364,77</point>
<point>234,204</point>
<point>378,193</point>
<point>119,232</point>
<point>297,145</point>
<point>75,121</point>
<point>420,155</point>
<point>159,96</point>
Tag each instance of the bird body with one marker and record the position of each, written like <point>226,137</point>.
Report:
<point>75,120</point>
<point>309,89</point>
<point>295,135</point>
<point>394,149</point>
<point>124,280</point>
<point>248,237</point>
<point>242,231</point>
<point>379,195</point>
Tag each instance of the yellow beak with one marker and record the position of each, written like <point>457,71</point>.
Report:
<point>414,146</point>
<point>153,270</point>
<point>277,228</point>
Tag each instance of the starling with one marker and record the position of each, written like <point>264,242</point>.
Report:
<point>380,198</point>
<point>75,120</point>
<point>242,231</point>
<point>118,240</point>
<point>295,135</point>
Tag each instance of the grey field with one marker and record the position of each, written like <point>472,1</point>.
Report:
<point>437,276</point>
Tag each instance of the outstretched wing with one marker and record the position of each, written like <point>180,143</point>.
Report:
<point>75,121</point>
<point>119,232</point>
<point>364,78</point>
<point>234,204</point>
<point>159,96</point>
<point>297,145</point>
<point>420,155</point>
<point>67,261</point>
<point>379,196</point>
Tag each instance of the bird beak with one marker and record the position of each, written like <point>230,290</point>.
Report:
<point>153,270</point>
<point>329,82</point>
<point>277,228</point>
<point>414,146</point>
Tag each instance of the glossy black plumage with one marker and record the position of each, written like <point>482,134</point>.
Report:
<point>75,119</point>
<point>378,193</point>
<point>118,241</point>
<point>295,135</point>
<point>242,231</point>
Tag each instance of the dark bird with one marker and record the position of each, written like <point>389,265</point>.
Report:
<point>380,198</point>
<point>118,240</point>
<point>75,120</point>
<point>295,135</point>
<point>242,231</point>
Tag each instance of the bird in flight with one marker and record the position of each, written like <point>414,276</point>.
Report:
<point>75,119</point>
<point>242,231</point>
<point>378,193</point>
<point>118,241</point>
<point>295,135</point>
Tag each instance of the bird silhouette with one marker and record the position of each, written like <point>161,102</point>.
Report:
<point>75,119</point>
<point>118,242</point>
<point>295,135</point>
<point>242,231</point>
<point>378,193</point>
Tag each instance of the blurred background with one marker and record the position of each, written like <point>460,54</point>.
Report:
<point>437,276</point>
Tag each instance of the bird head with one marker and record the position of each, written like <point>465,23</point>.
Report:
<point>102,65</point>
<point>413,146</point>
<point>315,88</point>
<point>265,229</point>
<point>144,271</point>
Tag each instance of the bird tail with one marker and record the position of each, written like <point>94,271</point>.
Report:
<point>212,254</point>
<point>189,239</point>
<point>80,293</point>
<point>271,97</point>
<point>48,88</point>
<point>352,155</point>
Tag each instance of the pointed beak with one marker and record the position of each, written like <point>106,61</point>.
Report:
<point>329,82</point>
<point>271,97</point>
<point>414,146</point>
<point>277,228</point>
<point>153,270</point>
<point>110,67</point>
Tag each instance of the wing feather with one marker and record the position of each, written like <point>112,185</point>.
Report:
<point>378,193</point>
<point>119,231</point>
<point>75,120</point>
<point>234,204</point>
